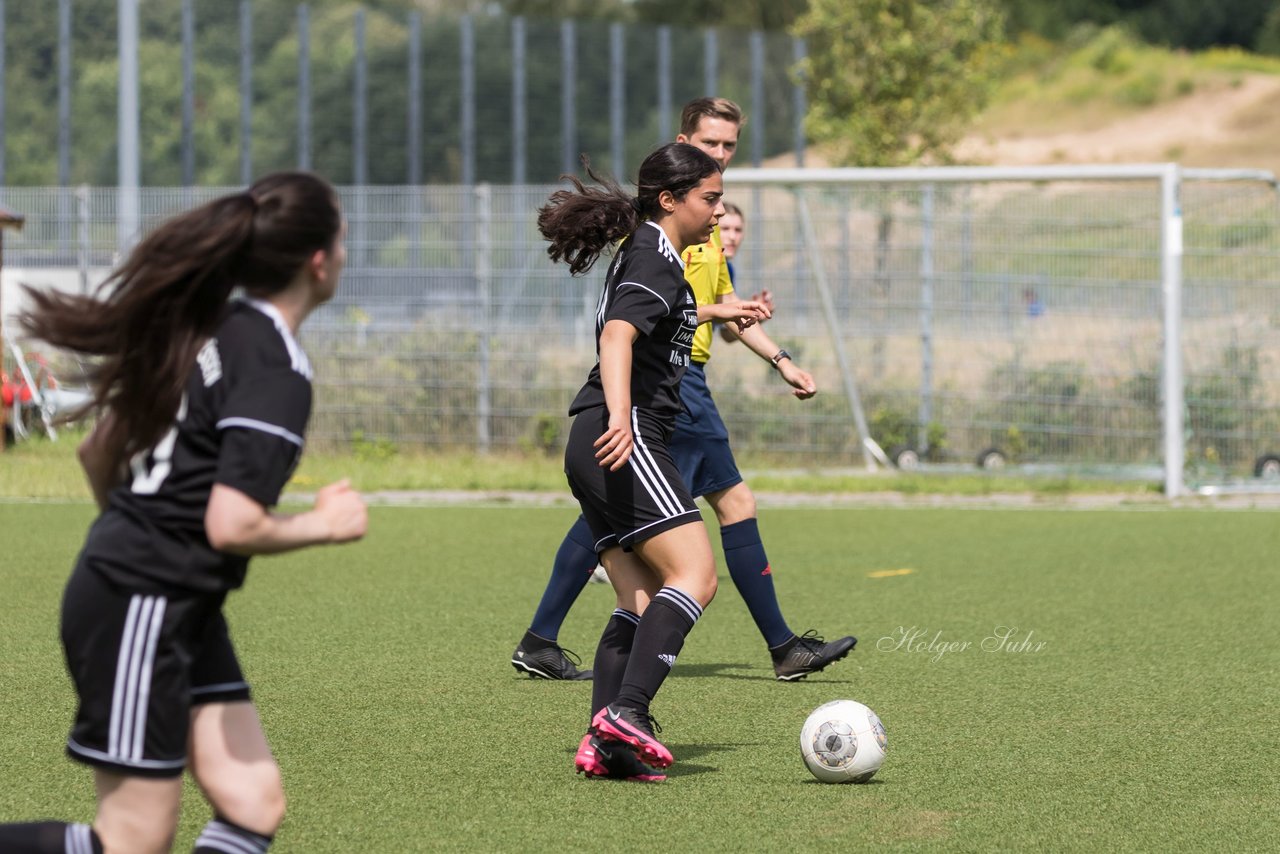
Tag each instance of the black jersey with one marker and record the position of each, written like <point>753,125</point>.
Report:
<point>646,288</point>
<point>241,423</point>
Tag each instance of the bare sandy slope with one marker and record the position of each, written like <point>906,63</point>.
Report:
<point>1226,126</point>
<point>1234,126</point>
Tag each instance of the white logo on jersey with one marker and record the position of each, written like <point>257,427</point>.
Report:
<point>210,362</point>
<point>683,336</point>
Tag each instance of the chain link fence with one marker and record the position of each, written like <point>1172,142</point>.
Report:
<point>1014,321</point>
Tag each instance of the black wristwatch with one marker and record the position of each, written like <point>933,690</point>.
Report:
<point>779,356</point>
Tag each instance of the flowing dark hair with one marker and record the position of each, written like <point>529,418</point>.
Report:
<point>580,223</point>
<point>147,322</point>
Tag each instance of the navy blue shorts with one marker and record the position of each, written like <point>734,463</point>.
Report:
<point>700,442</point>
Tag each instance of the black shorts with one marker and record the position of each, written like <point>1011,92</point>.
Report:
<point>640,500</point>
<point>140,662</point>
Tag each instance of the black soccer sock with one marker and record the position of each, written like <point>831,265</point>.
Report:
<point>221,836</point>
<point>49,837</point>
<point>659,638</point>
<point>612,654</point>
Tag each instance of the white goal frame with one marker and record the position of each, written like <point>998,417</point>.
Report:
<point>1169,176</point>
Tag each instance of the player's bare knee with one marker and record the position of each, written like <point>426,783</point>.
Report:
<point>735,504</point>
<point>712,585</point>
<point>701,586</point>
<point>255,802</point>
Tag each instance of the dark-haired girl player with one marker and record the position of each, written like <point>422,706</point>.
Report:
<point>203,401</point>
<point>647,530</point>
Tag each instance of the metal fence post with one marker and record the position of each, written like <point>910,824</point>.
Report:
<point>64,92</point>
<point>413,145</point>
<point>82,196</point>
<point>1171,287</point>
<point>568,98</point>
<point>664,84</point>
<point>188,93</point>
<point>246,92</point>
<point>467,37</point>
<point>799,102</point>
<point>710,62</point>
<point>359,135</point>
<point>359,106</point>
<point>926,319</point>
<point>2,98</point>
<point>128,222</point>
<point>64,125</point>
<point>484,287</point>
<point>304,87</point>
<point>617,104</point>
<point>757,98</point>
<point>519,107</point>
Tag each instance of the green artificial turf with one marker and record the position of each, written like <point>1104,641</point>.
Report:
<point>1132,706</point>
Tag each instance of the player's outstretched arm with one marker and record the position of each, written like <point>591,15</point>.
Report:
<point>238,524</point>
<point>802,384</point>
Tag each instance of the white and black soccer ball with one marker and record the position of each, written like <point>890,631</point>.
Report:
<point>843,742</point>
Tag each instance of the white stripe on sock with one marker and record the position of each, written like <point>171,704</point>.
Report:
<point>681,600</point>
<point>222,837</point>
<point>629,616</point>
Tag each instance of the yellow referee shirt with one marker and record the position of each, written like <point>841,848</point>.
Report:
<point>707,272</point>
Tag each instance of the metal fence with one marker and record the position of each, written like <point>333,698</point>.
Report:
<point>1025,317</point>
<point>180,92</point>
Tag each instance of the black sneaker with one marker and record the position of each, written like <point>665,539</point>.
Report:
<point>553,662</point>
<point>809,654</point>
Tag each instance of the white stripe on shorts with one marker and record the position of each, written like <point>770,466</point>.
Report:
<point>649,475</point>
<point>127,736</point>
<point>122,673</point>
<point>76,839</point>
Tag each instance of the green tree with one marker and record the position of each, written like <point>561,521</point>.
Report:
<point>892,82</point>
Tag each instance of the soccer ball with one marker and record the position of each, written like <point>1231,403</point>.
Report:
<point>843,742</point>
